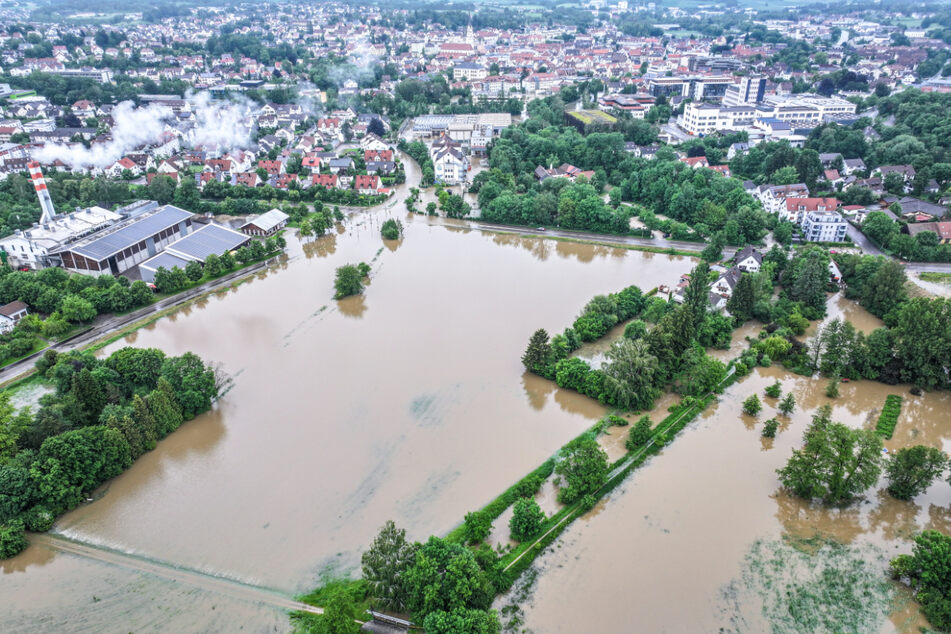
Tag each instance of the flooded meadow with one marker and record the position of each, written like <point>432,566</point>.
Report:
<point>686,543</point>
<point>408,402</point>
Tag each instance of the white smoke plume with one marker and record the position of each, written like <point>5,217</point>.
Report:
<point>133,128</point>
<point>216,126</point>
<point>220,125</point>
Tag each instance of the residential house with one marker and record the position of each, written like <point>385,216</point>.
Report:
<point>851,166</point>
<point>377,155</point>
<point>726,283</point>
<point>248,179</point>
<point>773,197</point>
<point>373,142</point>
<point>943,229</point>
<point>450,164</point>
<point>368,184</point>
<point>338,165</point>
<point>565,170</point>
<point>10,314</point>
<point>324,180</point>
<point>797,208</point>
<point>748,260</point>
<point>381,167</point>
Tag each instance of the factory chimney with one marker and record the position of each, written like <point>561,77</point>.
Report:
<point>46,203</point>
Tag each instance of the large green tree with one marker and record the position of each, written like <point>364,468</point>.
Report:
<point>885,289</point>
<point>384,567</point>
<point>527,518</point>
<point>922,339</point>
<point>445,577</point>
<point>928,571</point>
<point>631,374</point>
<point>911,470</point>
<point>459,621</point>
<point>348,281</point>
<point>584,468</point>
<point>536,354</point>
<point>835,463</point>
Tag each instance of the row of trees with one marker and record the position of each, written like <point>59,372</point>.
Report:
<point>72,297</point>
<point>103,415</point>
<point>912,347</point>
<point>176,279</point>
<point>445,586</point>
<point>924,247</point>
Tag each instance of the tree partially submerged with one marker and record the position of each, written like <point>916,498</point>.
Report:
<point>835,464</point>
<point>911,470</point>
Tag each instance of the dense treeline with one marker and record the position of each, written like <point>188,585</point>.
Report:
<point>77,298</point>
<point>19,208</point>
<point>643,361</point>
<point>103,415</point>
<point>443,585</point>
<point>712,205</point>
<point>703,203</point>
<point>913,346</point>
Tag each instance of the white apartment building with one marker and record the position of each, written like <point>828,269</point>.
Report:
<point>702,118</point>
<point>469,71</point>
<point>823,226</point>
<point>797,109</point>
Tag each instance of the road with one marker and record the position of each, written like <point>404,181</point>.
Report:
<point>861,241</point>
<point>660,243</point>
<point>230,587</point>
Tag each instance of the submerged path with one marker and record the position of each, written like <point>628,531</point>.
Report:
<point>206,581</point>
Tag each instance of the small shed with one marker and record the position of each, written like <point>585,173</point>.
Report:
<point>267,224</point>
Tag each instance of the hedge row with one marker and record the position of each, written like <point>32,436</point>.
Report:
<point>889,416</point>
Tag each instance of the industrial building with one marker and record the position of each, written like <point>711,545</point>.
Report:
<point>195,247</point>
<point>118,248</point>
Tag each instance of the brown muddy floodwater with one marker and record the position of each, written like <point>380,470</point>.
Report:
<point>661,553</point>
<point>407,403</point>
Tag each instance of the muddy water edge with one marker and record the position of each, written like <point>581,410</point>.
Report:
<point>407,403</point>
<point>672,543</point>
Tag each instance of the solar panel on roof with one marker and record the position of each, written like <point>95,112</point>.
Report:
<point>142,227</point>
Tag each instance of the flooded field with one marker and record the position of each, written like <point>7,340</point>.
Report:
<point>407,403</point>
<point>671,548</point>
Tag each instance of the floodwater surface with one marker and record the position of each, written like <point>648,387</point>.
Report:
<point>408,402</point>
<point>665,550</point>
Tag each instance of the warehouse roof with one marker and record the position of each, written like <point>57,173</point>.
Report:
<point>167,260</point>
<point>124,234</point>
<point>202,242</point>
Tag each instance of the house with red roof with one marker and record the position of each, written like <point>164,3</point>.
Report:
<point>248,179</point>
<point>377,155</point>
<point>797,208</point>
<point>324,180</point>
<point>696,161</point>
<point>273,168</point>
<point>367,184</point>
